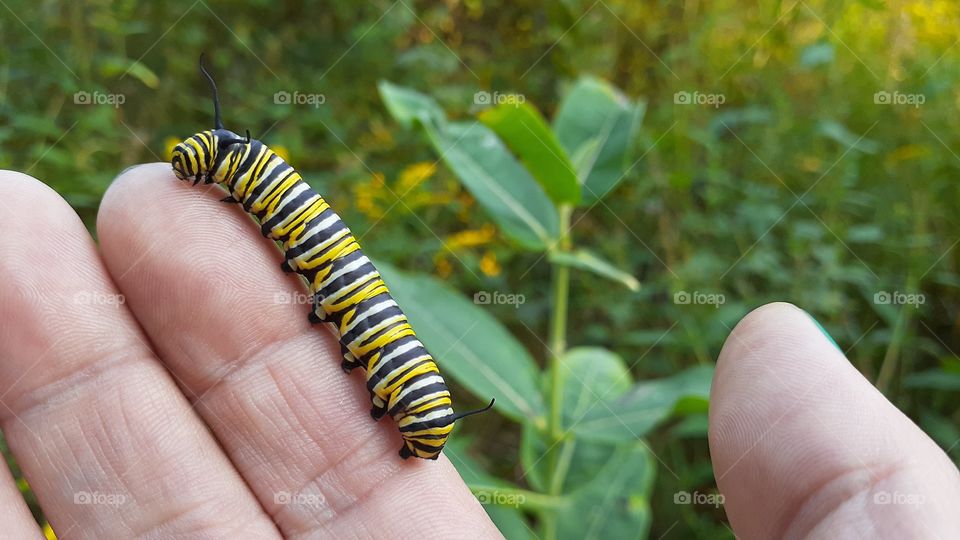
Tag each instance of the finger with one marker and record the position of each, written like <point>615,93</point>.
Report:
<point>209,291</point>
<point>106,440</point>
<point>15,516</point>
<point>803,445</point>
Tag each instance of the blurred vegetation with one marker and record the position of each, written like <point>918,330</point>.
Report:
<point>800,186</point>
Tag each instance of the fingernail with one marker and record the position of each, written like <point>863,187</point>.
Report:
<point>824,331</point>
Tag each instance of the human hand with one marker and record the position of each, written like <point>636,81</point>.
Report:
<point>167,384</point>
<point>804,446</point>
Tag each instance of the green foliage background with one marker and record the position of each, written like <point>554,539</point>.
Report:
<point>799,187</point>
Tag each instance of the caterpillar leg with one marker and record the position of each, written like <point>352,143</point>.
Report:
<point>350,362</point>
<point>314,318</point>
<point>405,452</point>
<point>285,266</point>
<point>379,408</point>
<point>229,200</point>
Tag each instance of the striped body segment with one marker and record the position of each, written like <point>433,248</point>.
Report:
<point>347,290</point>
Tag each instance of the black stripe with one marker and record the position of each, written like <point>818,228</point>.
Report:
<point>316,238</point>
<point>414,395</point>
<point>285,209</point>
<point>442,421</point>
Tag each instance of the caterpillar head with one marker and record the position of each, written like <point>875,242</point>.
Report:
<point>194,158</point>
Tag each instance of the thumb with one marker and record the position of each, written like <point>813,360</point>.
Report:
<point>803,445</point>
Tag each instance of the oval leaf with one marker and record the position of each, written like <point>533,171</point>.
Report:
<point>526,133</point>
<point>469,345</point>
<point>646,404</point>
<point>598,125</point>
<point>408,106</point>
<point>513,199</point>
<point>585,260</point>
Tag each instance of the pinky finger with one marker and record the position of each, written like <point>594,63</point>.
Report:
<point>15,516</point>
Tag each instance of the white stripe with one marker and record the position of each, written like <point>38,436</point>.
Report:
<point>338,294</point>
<point>316,228</point>
<point>369,312</point>
<point>373,330</point>
<point>382,383</point>
<point>350,267</point>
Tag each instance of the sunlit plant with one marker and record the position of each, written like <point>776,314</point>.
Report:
<point>586,469</point>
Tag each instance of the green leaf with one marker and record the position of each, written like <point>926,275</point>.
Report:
<point>647,404</point>
<point>408,106</point>
<point>525,132</point>
<point>934,379</point>
<point>615,503</point>
<point>585,260</point>
<point>512,198</point>
<point>598,125</point>
<point>121,66</point>
<point>510,521</point>
<point>469,345</point>
<point>590,377</point>
<point>839,133</point>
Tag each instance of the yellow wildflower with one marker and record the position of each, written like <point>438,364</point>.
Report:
<point>444,269</point>
<point>282,152</point>
<point>366,195</point>
<point>414,175</point>
<point>471,237</point>
<point>168,145</point>
<point>489,264</point>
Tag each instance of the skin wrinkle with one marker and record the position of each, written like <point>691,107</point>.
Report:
<point>796,522</point>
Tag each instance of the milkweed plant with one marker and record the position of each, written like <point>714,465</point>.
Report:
<point>585,469</point>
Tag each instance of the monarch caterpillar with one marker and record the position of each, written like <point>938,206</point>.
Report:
<point>347,290</point>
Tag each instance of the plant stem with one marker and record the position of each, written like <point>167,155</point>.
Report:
<point>558,326</point>
<point>515,497</point>
<point>558,346</point>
